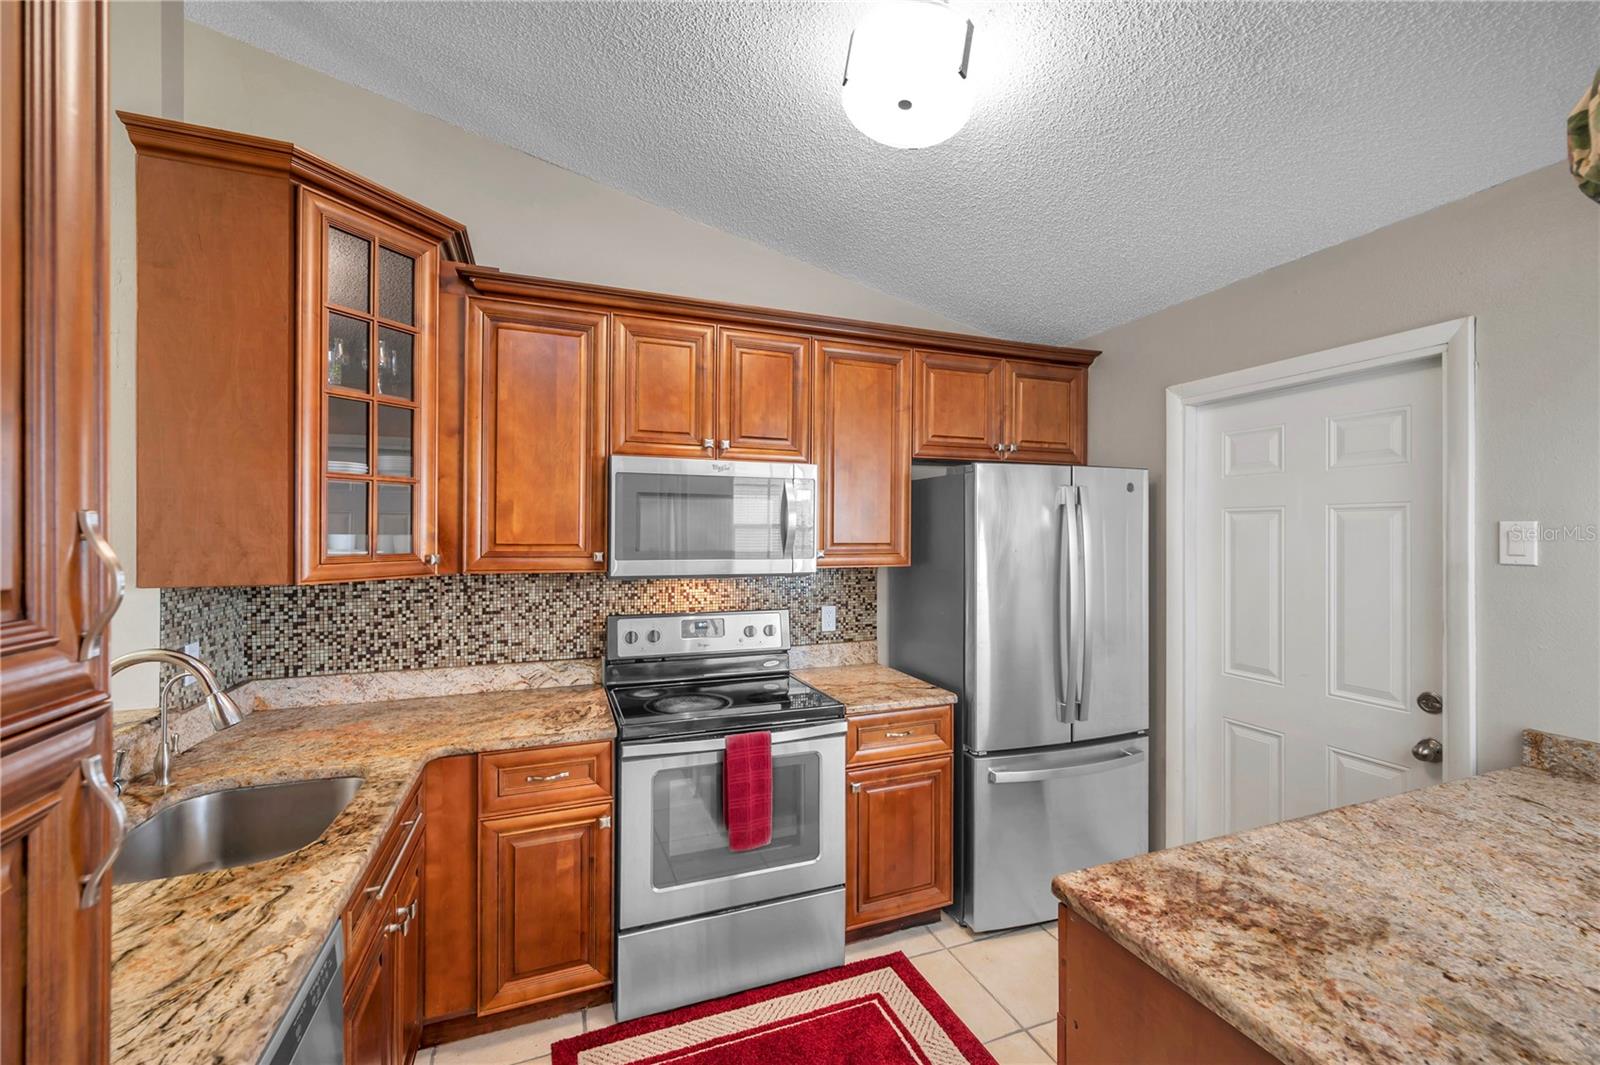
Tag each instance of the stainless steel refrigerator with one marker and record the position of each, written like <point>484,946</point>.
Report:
<point>1028,596</point>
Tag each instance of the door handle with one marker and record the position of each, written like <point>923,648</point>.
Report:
<point>1128,756</point>
<point>90,636</point>
<point>1430,703</point>
<point>1428,750</point>
<point>94,778</point>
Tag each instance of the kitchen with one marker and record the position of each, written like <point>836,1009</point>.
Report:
<point>493,567</point>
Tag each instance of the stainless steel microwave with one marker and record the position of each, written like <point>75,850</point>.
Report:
<point>710,518</point>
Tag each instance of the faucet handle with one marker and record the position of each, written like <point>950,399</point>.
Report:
<point>119,770</point>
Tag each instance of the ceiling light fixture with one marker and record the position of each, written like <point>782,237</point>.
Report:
<point>905,75</point>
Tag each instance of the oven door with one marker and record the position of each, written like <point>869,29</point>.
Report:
<point>704,517</point>
<point>673,856</point>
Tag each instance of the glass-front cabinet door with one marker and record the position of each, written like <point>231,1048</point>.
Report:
<point>367,374</point>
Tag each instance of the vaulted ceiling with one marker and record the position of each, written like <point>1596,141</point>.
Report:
<point>1121,157</point>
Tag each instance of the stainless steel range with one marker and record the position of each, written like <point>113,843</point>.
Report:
<point>696,919</point>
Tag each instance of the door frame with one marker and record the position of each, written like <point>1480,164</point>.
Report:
<point>1453,343</point>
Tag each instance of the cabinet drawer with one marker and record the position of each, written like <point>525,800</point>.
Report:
<point>366,908</point>
<point>543,777</point>
<point>896,735</point>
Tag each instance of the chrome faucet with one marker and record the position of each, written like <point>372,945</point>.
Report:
<point>225,713</point>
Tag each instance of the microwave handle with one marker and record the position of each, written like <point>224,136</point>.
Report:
<point>787,516</point>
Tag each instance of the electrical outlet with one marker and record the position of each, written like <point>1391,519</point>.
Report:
<point>830,618</point>
<point>192,649</point>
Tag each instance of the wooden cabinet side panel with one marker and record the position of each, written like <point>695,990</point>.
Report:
<point>536,386</point>
<point>1047,412</point>
<point>864,400</point>
<point>369,1013</point>
<point>1114,1007</point>
<point>216,375</point>
<point>661,379</point>
<point>450,887</point>
<point>957,405</point>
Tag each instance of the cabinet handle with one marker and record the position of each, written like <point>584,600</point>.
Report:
<point>382,889</point>
<point>897,735</point>
<point>89,532</point>
<point>94,778</point>
<point>563,775</point>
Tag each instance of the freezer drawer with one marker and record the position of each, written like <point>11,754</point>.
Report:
<point>1031,816</point>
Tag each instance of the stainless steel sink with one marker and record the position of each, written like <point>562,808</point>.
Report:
<point>233,827</point>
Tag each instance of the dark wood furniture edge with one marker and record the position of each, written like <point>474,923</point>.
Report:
<point>490,281</point>
<point>170,139</point>
<point>453,1029</point>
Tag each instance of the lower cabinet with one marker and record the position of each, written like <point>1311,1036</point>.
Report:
<point>383,937</point>
<point>898,816</point>
<point>544,910</point>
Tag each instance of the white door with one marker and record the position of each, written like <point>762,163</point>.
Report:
<point>1319,595</point>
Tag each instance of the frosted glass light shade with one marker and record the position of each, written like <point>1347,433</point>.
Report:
<point>905,79</point>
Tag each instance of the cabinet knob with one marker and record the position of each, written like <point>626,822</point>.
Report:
<point>708,443</point>
<point>432,560</point>
<point>1000,449</point>
<point>1011,447</point>
<point>855,787</point>
<point>725,444</point>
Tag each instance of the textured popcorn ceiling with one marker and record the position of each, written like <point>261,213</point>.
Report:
<point>1121,157</point>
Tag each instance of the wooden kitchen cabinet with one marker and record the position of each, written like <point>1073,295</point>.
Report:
<point>863,454</point>
<point>544,884</point>
<point>287,364</point>
<point>383,930</point>
<point>662,377</point>
<point>535,437</point>
<point>763,395</point>
<point>959,407</point>
<point>985,409</point>
<point>1047,409</point>
<point>59,583</point>
<point>898,841</point>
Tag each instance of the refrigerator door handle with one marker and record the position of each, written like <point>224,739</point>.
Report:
<point>1080,621</point>
<point>1124,758</point>
<point>1066,496</point>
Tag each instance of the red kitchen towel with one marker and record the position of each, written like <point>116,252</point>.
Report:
<point>747,790</point>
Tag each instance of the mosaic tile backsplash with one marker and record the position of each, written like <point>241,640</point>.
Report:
<point>478,619</point>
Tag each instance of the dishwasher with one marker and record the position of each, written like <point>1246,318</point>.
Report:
<point>312,1033</point>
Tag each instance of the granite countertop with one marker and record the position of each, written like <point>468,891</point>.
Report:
<point>204,966</point>
<point>868,689</point>
<point>1455,923</point>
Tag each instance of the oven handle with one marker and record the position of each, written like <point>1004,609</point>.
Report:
<point>653,749</point>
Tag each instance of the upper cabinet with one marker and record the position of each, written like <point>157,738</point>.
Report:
<point>535,447</point>
<point>663,375</point>
<point>287,377</point>
<point>990,409</point>
<point>686,389</point>
<point>864,454</point>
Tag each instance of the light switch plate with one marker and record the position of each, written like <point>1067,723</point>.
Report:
<point>1519,543</point>
<point>830,618</point>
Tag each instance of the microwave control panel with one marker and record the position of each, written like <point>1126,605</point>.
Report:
<point>666,635</point>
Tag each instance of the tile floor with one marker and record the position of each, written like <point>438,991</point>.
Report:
<point>1003,986</point>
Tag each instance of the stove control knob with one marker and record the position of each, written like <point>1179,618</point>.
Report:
<point>654,636</point>
<point>749,630</point>
<point>769,630</point>
<point>631,636</point>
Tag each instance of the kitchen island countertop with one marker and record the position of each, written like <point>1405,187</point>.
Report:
<point>1459,922</point>
<point>204,966</point>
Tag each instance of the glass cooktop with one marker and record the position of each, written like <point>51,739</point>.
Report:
<point>698,707</point>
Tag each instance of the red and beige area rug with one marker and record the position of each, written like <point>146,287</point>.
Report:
<point>880,1011</point>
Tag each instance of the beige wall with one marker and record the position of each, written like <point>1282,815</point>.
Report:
<point>524,215</point>
<point>1524,258</point>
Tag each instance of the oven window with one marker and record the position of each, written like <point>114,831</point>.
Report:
<point>680,516</point>
<point>691,837</point>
